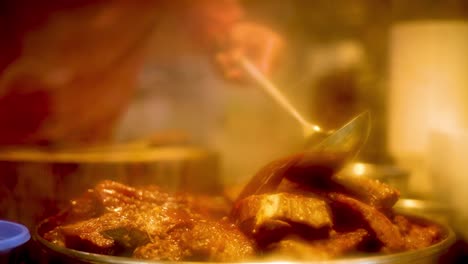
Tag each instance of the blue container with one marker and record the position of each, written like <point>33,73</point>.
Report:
<point>12,238</point>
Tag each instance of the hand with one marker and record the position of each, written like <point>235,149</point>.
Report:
<point>255,42</point>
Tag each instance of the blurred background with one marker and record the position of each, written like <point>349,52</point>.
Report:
<point>131,91</point>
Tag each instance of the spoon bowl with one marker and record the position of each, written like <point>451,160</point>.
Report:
<point>323,159</point>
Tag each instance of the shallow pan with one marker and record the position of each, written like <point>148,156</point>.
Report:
<point>50,253</point>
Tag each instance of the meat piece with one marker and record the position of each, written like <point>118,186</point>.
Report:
<point>276,214</point>
<point>310,221</point>
<point>127,237</point>
<point>55,236</point>
<point>85,207</point>
<point>108,233</point>
<point>370,191</point>
<point>213,207</point>
<point>113,195</point>
<point>338,244</point>
<point>203,240</point>
<point>164,249</point>
<point>109,196</point>
<point>86,235</point>
<point>218,241</point>
<point>417,234</point>
<point>132,218</point>
<point>385,231</point>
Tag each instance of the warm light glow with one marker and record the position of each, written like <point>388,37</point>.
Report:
<point>410,203</point>
<point>359,169</point>
<point>316,128</point>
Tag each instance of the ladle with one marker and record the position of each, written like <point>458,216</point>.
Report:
<point>347,139</point>
<point>326,152</point>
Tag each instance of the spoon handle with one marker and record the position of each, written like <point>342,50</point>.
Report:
<point>275,93</point>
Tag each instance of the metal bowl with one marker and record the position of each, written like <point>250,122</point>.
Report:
<point>50,253</point>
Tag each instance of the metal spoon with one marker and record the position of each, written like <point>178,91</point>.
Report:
<point>326,157</point>
<point>309,129</point>
<point>348,139</point>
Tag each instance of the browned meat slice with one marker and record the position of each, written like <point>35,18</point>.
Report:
<point>130,218</point>
<point>85,207</point>
<point>267,215</point>
<point>221,241</point>
<point>385,231</point>
<point>87,236</point>
<point>338,244</point>
<point>109,196</point>
<point>113,195</point>
<point>370,191</point>
<point>115,231</point>
<point>316,221</point>
<point>417,234</point>
<point>164,249</point>
<point>202,241</point>
<point>208,206</point>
